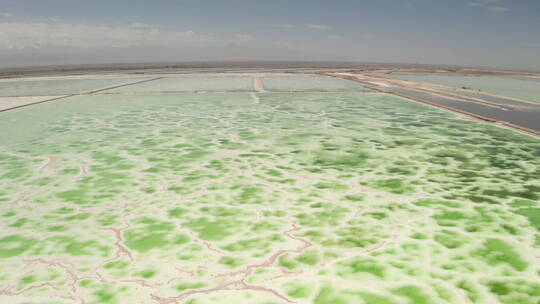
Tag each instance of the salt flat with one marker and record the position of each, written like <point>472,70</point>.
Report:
<point>329,195</point>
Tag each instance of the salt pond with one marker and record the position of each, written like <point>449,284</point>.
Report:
<point>245,197</point>
<point>528,89</point>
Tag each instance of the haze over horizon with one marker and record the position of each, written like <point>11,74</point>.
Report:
<point>491,33</point>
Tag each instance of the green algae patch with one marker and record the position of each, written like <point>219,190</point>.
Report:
<point>231,261</point>
<point>79,197</point>
<point>25,281</point>
<point>419,236</point>
<point>436,203</point>
<point>107,219</point>
<point>147,273</point>
<point>250,195</point>
<point>276,213</point>
<point>369,298</point>
<point>309,257</point>
<point>105,296</point>
<point>9,213</point>
<point>78,217</point>
<point>297,290</point>
<point>332,186</point>
<point>117,265</point>
<point>153,234</point>
<point>448,218</point>
<point>64,210</point>
<point>415,294</point>
<point>287,261</point>
<point>450,239</point>
<point>496,251</point>
<point>355,197</point>
<point>72,246</point>
<point>471,290</point>
<point>330,215</point>
<point>519,203</point>
<point>515,291</point>
<point>392,185</point>
<point>357,236</point>
<point>328,295</point>
<point>104,293</point>
<point>357,268</point>
<point>58,228</point>
<point>177,212</point>
<point>15,245</point>
<point>255,245</point>
<point>210,230</point>
<point>189,285</point>
<point>19,223</point>
<point>533,214</point>
<point>49,275</point>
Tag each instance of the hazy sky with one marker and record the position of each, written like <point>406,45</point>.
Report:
<point>496,33</point>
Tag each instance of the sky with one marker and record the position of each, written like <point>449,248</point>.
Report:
<point>489,33</point>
